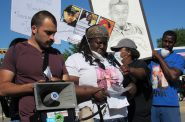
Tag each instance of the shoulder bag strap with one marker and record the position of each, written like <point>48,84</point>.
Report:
<point>45,64</point>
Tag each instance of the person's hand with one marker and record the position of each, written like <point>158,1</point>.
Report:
<point>155,55</point>
<point>52,79</point>
<point>41,81</point>
<point>133,89</point>
<point>55,79</point>
<point>101,96</point>
<point>125,69</point>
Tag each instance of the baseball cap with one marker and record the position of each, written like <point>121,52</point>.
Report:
<point>97,31</point>
<point>127,43</point>
<point>71,9</point>
<point>124,43</point>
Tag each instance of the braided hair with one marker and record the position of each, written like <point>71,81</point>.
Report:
<point>85,50</point>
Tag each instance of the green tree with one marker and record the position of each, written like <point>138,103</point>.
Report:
<point>72,49</point>
<point>1,61</point>
<point>180,38</point>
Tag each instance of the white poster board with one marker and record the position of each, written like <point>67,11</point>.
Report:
<point>129,23</point>
<point>23,10</point>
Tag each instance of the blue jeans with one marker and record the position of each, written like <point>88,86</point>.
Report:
<point>15,121</point>
<point>165,114</point>
<point>113,120</point>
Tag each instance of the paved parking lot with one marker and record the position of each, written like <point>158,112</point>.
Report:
<point>182,109</point>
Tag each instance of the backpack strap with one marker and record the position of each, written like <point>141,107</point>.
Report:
<point>6,100</point>
<point>14,62</point>
<point>45,64</point>
<point>45,61</point>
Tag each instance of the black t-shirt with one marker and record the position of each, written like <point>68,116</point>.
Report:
<point>140,105</point>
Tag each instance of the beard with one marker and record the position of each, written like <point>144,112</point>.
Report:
<point>44,44</point>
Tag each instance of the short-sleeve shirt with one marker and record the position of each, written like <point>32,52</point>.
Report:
<point>165,94</point>
<point>92,75</point>
<point>140,104</point>
<point>27,63</point>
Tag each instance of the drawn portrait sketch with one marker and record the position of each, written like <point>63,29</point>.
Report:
<point>129,23</point>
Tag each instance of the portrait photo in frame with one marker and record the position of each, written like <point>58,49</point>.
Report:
<point>130,22</point>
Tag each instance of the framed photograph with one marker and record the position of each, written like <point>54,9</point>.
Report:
<point>130,22</point>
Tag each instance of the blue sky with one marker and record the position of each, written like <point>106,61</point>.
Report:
<point>161,15</point>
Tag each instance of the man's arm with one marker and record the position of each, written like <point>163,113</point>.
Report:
<point>171,74</point>
<point>85,92</point>
<point>9,88</point>
<point>139,73</point>
<point>65,77</point>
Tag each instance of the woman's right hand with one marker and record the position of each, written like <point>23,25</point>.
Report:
<point>100,96</point>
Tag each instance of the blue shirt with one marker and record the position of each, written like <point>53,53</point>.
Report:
<point>163,93</point>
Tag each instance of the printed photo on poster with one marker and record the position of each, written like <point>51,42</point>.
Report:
<point>129,21</point>
<point>109,24</point>
<point>67,23</point>
<point>71,14</point>
<point>76,20</point>
<point>86,20</point>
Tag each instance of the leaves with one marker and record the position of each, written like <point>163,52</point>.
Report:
<point>72,49</point>
<point>180,38</point>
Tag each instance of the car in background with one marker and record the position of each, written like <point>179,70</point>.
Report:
<point>181,88</point>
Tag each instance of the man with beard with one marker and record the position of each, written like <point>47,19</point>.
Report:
<point>24,63</point>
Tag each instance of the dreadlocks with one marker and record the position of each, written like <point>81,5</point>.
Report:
<point>85,50</point>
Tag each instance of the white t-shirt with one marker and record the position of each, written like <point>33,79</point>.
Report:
<point>92,75</point>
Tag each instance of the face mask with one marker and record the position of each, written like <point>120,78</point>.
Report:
<point>118,57</point>
<point>164,52</point>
